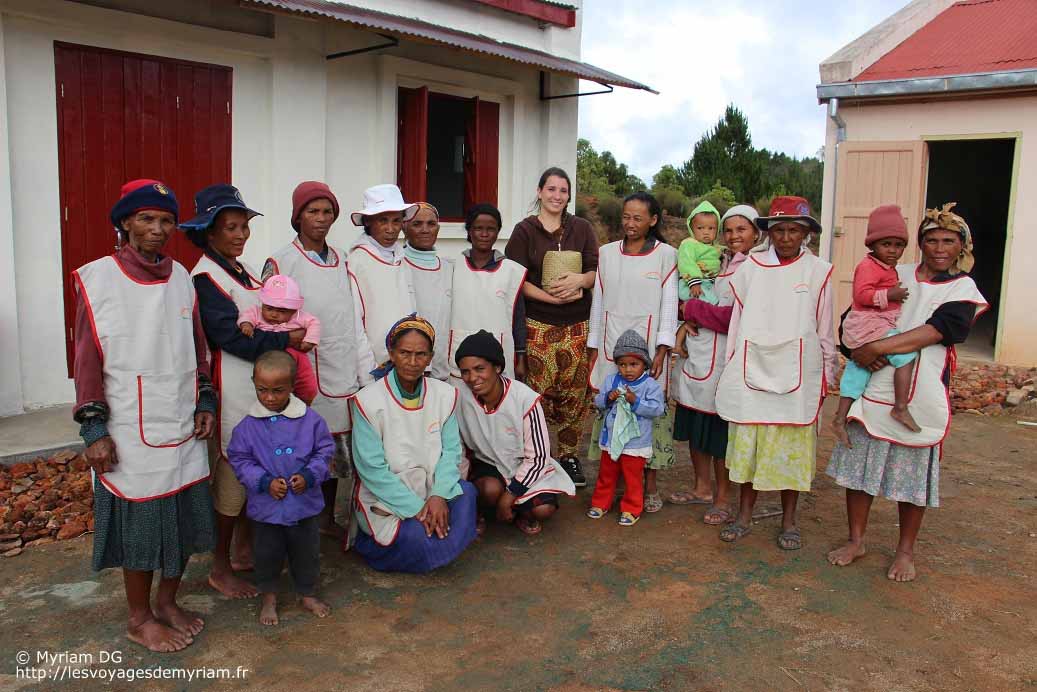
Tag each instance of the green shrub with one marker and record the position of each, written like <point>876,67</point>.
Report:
<point>610,213</point>
<point>672,201</point>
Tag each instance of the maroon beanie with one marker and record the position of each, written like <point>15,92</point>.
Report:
<point>305,193</point>
<point>886,221</point>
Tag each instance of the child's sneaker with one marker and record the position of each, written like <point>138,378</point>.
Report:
<point>596,512</point>
<point>627,519</point>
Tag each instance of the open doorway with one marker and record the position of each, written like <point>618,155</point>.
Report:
<point>977,174</point>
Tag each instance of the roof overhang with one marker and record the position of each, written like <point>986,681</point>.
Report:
<point>418,30</point>
<point>949,85</point>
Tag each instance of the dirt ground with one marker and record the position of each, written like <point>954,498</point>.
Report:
<point>590,606</point>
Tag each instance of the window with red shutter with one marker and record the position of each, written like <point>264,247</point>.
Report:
<point>447,150</point>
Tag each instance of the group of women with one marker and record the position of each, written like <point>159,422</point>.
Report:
<point>163,374</point>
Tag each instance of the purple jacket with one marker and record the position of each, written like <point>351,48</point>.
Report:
<point>279,446</point>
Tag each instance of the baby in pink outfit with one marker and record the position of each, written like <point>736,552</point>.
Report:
<point>281,311</point>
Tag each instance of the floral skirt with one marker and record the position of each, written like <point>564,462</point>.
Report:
<point>557,360</point>
<point>772,457</point>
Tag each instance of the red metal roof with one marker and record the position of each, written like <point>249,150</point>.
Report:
<point>417,29</point>
<point>968,37</point>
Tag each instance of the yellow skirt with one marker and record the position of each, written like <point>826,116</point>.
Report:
<point>772,457</point>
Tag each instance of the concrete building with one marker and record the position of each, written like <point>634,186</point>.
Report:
<point>939,103</point>
<point>265,94</point>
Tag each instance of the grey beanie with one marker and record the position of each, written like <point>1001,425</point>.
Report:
<point>630,343</point>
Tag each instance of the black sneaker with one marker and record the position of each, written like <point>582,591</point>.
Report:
<point>572,467</point>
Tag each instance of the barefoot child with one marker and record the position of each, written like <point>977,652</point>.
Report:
<point>280,310</point>
<point>626,436</point>
<point>698,259</point>
<point>877,299</point>
<point>280,453</point>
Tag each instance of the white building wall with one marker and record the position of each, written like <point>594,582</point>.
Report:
<point>295,117</point>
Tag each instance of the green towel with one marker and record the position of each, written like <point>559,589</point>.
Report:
<point>624,427</point>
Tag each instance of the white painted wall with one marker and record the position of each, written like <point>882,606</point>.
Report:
<point>296,117</point>
<point>1017,342</point>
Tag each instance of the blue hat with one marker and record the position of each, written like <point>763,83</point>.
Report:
<point>144,193</point>
<point>208,203</point>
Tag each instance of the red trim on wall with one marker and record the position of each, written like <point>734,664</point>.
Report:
<point>540,11</point>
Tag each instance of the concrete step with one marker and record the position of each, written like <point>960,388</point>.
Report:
<point>39,433</point>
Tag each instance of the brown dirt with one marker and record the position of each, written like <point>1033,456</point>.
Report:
<point>589,606</point>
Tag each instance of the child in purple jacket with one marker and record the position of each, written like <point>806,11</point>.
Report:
<point>280,453</point>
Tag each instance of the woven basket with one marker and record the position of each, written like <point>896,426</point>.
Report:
<point>558,262</point>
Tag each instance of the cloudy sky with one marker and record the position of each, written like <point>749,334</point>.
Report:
<point>761,55</point>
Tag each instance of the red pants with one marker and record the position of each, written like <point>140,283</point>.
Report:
<point>633,469</point>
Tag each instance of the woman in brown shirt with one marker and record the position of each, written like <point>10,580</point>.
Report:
<point>557,313</point>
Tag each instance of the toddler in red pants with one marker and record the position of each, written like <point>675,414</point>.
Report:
<point>631,398</point>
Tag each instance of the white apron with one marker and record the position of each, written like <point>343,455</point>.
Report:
<point>632,296</point>
<point>431,290</point>
<point>231,375</point>
<point>328,295</point>
<point>484,299</point>
<point>384,294</point>
<point>413,441</point>
<point>776,372</point>
<point>929,400</point>
<point>145,333</point>
<point>695,378</point>
<point>497,438</point>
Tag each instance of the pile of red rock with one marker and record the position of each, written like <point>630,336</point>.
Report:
<point>990,388</point>
<point>44,501</point>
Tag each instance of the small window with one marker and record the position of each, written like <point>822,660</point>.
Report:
<point>447,150</point>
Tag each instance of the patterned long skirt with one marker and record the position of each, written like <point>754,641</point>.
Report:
<point>557,359</point>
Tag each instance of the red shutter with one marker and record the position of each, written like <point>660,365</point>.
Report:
<point>123,116</point>
<point>471,158</point>
<point>412,143</point>
<point>487,117</point>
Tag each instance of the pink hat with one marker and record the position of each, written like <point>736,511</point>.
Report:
<point>886,221</point>
<point>280,291</point>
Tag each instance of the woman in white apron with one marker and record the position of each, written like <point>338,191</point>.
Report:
<point>225,286</point>
<point>636,289</point>
<point>430,277</point>
<point>145,405</point>
<point>414,513</point>
<point>780,356</point>
<point>883,457</point>
<point>697,372</point>
<point>376,265</point>
<point>487,294</point>
<point>506,439</point>
<point>342,362</point>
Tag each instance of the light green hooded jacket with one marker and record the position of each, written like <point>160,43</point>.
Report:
<point>697,260</point>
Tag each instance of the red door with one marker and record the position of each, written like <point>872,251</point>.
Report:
<point>123,116</point>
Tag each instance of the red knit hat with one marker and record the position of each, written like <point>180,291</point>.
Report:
<point>886,221</point>
<point>306,192</point>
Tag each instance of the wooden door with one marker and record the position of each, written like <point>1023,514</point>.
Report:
<point>871,174</point>
<point>123,116</point>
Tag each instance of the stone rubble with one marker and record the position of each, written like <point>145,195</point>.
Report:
<point>43,501</point>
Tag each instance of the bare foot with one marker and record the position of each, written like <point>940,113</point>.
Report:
<point>183,621</point>
<point>840,557</point>
<point>839,430</point>
<point>241,560</point>
<point>268,613</point>
<point>154,636</point>
<point>903,567</point>
<point>315,606</point>
<point>480,526</point>
<point>903,416</point>
<point>232,586</point>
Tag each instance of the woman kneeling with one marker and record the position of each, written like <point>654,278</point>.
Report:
<point>505,432</point>
<point>415,513</point>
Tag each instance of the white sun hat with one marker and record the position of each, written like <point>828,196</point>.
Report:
<point>383,198</point>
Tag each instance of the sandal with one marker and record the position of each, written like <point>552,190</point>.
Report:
<point>685,497</point>
<point>716,516</point>
<point>596,512</point>
<point>653,503</point>
<point>790,540</point>
<point>528,525</point>
<point>627,519</point>
<point>733,532</point>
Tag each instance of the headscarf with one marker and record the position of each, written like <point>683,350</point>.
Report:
<point>748,213</point>
<point>944,219</point>
<point>411,321</point>
<point>427,259</point>
<point>430,207</point>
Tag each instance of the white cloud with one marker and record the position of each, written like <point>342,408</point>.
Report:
<point>758,54</point>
